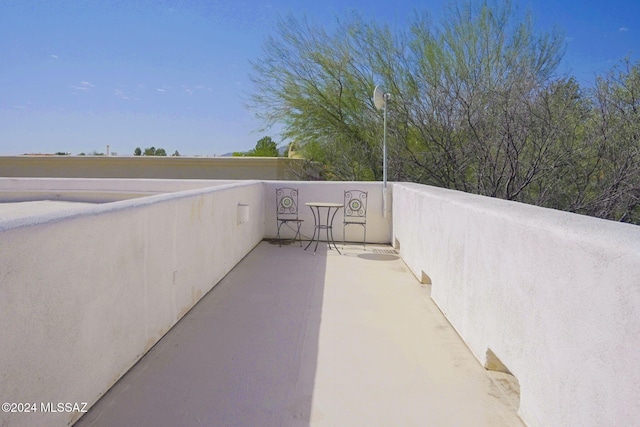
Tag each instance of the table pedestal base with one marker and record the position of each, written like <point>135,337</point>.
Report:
<point>327,226</point>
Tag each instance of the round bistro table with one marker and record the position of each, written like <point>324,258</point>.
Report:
<point>327,225</point>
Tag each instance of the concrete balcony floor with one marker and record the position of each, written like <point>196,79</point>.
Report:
<point>289,338</point>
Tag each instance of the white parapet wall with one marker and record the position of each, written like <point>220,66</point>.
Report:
<point>85,293</point>
<point>555,296</point>
<point>95,190</point>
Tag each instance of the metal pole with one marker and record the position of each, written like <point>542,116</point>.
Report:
<point>384,161</point>
<point>384,146</point>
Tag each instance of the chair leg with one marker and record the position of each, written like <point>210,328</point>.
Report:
<point>278,235</point>
<point>343,227</point>
<point>364,242</point>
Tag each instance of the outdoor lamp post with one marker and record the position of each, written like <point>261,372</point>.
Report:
<point>380,98</point>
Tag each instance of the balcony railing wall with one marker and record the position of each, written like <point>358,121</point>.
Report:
<point>555,296</point>
<point>95,190</point>
<point>84,295</point>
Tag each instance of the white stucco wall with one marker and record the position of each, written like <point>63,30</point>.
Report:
<point>556,296</point>
<point>84,295</point>
<point>95,190</point>
<point>378,225</point>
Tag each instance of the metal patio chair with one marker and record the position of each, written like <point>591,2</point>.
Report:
<point>287,211</point>
<point>355,212</point>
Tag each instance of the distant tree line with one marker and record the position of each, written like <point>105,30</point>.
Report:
<point>476,105</point>
<point>152,151</point>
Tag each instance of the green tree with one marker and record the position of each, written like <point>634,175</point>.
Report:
<point>317,85</point>
<point>611,178</point>
<point>453,90</point>
<point>471,95</point>
<point>265,147</point>
<point>476,105</point>
<point>137,152</point>
<point>153,151</point>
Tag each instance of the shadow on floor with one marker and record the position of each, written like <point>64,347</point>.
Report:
<point>245,355</point>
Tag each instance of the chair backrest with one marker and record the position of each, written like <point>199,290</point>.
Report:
<point>355,204</point>
<point>287,202</point>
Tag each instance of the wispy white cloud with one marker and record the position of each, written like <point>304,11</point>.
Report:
<point>123,95</point>
<point>623,29</point>
<point>190,90</point>
<point>83,86</point>
<point>53,56</point>
<point>163,88</point>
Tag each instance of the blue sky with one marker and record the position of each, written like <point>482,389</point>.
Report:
<point>78,75</point>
